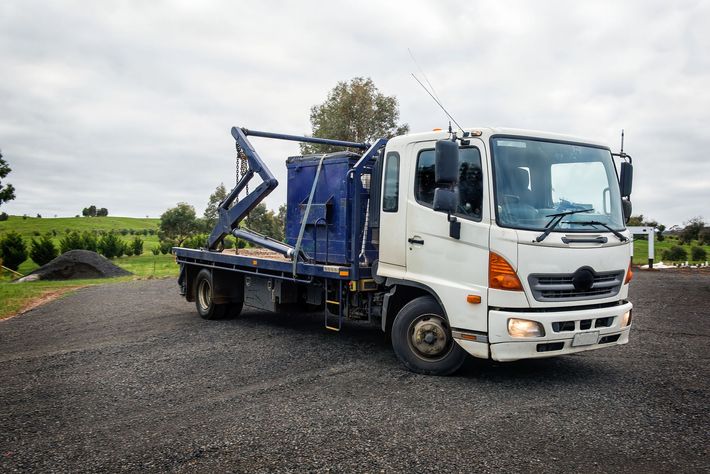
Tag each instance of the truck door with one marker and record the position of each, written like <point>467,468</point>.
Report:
<point>452,268</point>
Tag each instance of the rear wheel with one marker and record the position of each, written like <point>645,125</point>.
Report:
<point>204,297</point>
<point>422,339</point>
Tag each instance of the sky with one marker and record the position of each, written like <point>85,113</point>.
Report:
<point>128,105</point>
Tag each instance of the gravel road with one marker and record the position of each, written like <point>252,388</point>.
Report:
<point>126,377</point>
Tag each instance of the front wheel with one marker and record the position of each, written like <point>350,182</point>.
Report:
<point>422,341</point>
<point>204,297</point>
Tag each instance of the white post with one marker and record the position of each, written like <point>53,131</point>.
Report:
<point>651,233</point>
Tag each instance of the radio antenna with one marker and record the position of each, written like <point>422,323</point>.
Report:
<point>622,142</point>
<point>411,55</point>
<point>437,102</point>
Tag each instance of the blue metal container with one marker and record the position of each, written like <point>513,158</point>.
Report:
<point>328,233</point>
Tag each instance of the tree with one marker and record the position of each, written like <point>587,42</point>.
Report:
<point>103,212</point>
<point>704,236</point>
<point>110,246</point>
<point>89,211</point>
<point>71,241</point>
<point>13,250</point>
<point>692,229</point>
<point>265,222</point>
<point>89,241</point>
<point>137,246</point>
<point>178,223</point>
<point>211,214</point>
<point>354,111</point>
<point>7,192</point>
<point>43,251</point>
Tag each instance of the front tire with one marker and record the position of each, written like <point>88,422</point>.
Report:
<point>422,341</point>
<point>204,297</point>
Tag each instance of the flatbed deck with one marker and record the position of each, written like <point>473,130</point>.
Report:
<point>265,262</point>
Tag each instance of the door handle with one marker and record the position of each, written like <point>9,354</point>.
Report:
<point>416,241</point>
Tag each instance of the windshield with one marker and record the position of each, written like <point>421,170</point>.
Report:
<point>536,178</point>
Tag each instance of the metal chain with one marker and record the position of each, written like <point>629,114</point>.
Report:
<point>242,166</point>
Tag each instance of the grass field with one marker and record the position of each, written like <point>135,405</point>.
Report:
<point>14,297</point>
<point>641,250</point>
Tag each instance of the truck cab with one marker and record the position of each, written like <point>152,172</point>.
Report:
<point>531,259</point>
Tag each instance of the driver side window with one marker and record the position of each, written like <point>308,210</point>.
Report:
<point>470,187</point>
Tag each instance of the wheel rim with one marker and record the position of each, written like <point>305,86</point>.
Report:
<point>429,337</point>
<point>204,295</point>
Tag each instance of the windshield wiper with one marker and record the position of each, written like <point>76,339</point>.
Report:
<point>556,218</point>
<point>616,233</point>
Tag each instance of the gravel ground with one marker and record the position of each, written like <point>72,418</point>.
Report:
<point>126,377</point>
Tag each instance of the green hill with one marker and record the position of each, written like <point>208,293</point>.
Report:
<point>32,226</point>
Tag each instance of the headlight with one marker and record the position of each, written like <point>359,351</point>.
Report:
<point>626,319</point>
<point>525,328</point>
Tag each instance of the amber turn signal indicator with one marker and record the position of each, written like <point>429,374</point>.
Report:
<point>629,274</point>
<point>473,299</point>
<point>501,275</point>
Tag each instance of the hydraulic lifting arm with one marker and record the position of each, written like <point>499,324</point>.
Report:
<point>230,218</point>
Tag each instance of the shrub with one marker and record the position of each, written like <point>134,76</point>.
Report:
<point>675,254</point>
<point>698,254</point>
<point>195,241</point>
<point>13,250</point>
<point>43,251</point>
<point>126,250</point>
<point>4,216</point>
<point>137,246</point>
<point>124,231</point>
<point>110,246</point>
<point>155,250</point>
<point>151,231</point>
<point>72,241</point>
<point>89,241</point>
<point>36,233</point>
<point>166,246</point>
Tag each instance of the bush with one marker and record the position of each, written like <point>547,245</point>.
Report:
<point>155,250</point>
<point>110,246</point>
<point>698,254</point>
<point>137,246</point>
<point>36,233</point>
<point>13,250</point>
<point>124,231</point>
<point>43,251</point>
<point>675,254</point>
<point>126,250</point>
<point>72,241</point>
<point>166,246</point>
<point>195,241</point>
<point>4,216</point>
<point>89,241</point>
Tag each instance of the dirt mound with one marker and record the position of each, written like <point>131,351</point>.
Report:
<point>78,264</point>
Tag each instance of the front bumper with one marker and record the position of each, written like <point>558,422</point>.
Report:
<point>560,327</point>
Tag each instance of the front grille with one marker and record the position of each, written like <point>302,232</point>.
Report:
<point>561,288</point>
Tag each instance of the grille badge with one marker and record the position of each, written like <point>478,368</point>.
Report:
<point>583,279</point>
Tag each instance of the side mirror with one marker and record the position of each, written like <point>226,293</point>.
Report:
<point>626,178</point>
<point>446,169</point>
<point>445,200</point>
<point>626,207</point>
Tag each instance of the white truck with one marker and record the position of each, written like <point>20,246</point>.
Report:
<point>499,243</point>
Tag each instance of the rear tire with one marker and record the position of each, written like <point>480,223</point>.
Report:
<point>204,300</point>
<point>422,341</point>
